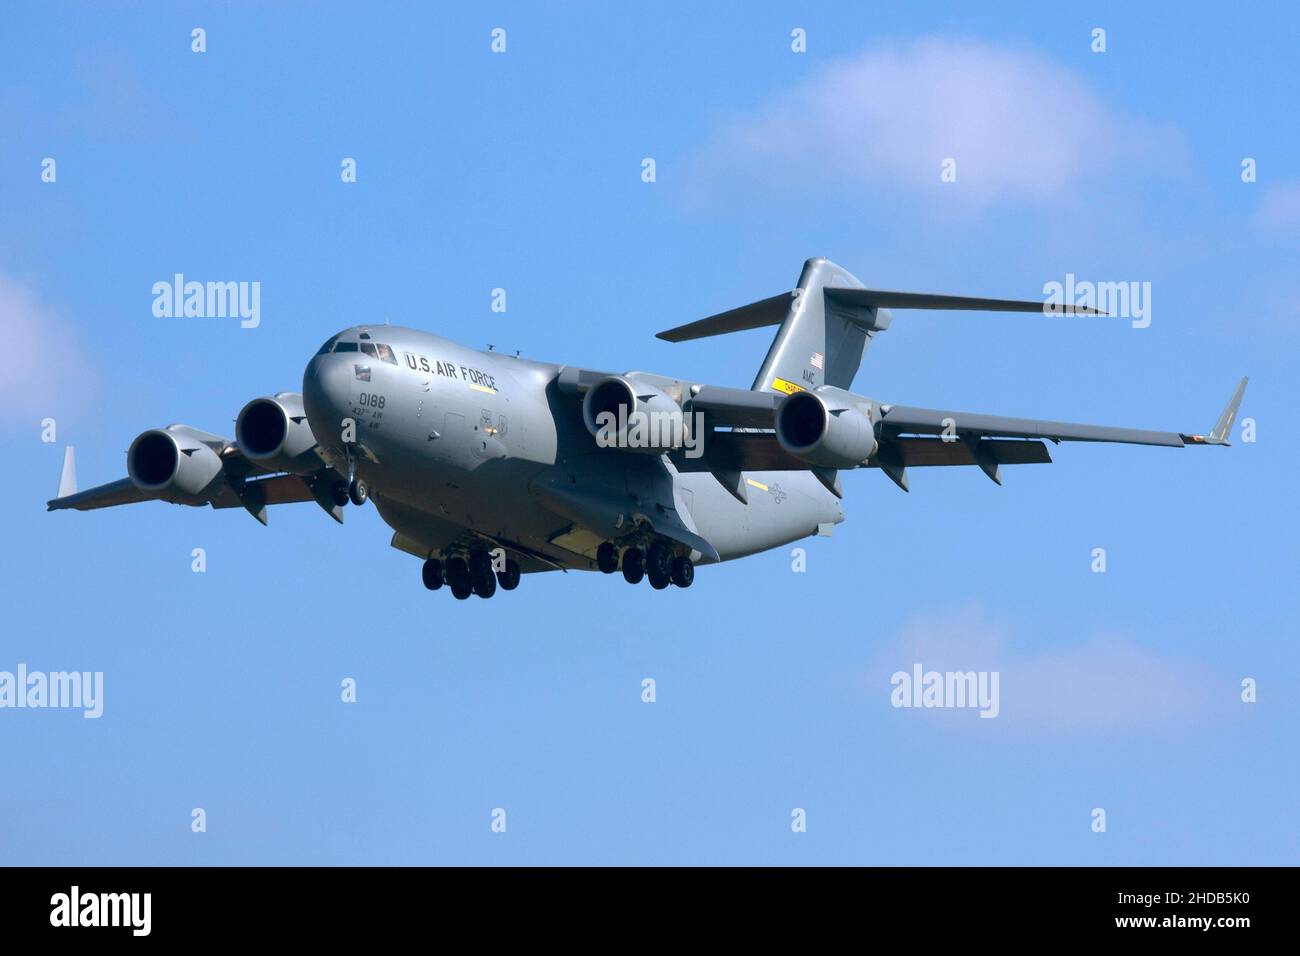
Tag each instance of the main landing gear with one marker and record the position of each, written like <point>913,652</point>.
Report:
<point>656,563</point>
<point>470,573</point>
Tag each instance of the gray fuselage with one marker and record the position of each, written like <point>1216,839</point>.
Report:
<point>459,444</point>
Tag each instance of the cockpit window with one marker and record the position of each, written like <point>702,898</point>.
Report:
<point>382,352</point>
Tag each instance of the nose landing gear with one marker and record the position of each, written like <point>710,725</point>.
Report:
<point>358,492</point>
<point>354,489</point>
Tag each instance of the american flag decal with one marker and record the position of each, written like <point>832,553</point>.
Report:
<point>817,360</point>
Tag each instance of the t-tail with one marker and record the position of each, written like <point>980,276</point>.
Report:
<point>827,323</point>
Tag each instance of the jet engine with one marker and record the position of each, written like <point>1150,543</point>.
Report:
<point>175,463</point>
<point>825,430</point>
<point>624,412</point>
<point>274,433</point>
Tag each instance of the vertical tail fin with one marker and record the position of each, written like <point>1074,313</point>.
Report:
<point>822,338</point>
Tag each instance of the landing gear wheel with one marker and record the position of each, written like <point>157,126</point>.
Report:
<point>358,492</point>
<point>457,575</point>
<point>509,578</point>
<point>683,572</point>
<point>633,565</point>
<point>461,592</point>
<point>340,494</point>
<point>658,579</point>
<point>607,558</point>
<point>659,563</point>
<point>486,587</point>
<point>480,571</point>
<point>432,574</point>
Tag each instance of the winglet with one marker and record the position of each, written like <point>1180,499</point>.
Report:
<point>68,477</point>
<point>1223,427</point>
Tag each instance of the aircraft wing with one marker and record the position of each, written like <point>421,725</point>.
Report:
<point>743,409</point>
<point>242,484</point>
<point>904,419</point>
<point>911,437</point>
<point>120,492</point>
<point>898,420</point>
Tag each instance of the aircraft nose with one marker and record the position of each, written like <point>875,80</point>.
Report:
<point>326,387</point>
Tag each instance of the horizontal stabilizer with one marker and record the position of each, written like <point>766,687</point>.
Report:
<point>878,299</point>
<point>774,309</point>
<point>756,315</point>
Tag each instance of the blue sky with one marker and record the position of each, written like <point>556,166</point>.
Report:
<point>522,170</point>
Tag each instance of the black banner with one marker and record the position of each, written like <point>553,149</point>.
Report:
<point>209,905</point>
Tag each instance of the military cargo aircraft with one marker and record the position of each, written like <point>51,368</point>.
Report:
<point>488,466</point>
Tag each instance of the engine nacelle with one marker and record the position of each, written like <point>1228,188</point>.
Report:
<point>825,430</point>
<point>175,463</point>
<point>627,412</point>
<point>274,433</point>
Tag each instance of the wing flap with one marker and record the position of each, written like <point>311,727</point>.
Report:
<point>279,490</point>
<point>733,452</point>
<point>738,407</point>
<point>927,452</point>
<point>740,451</point>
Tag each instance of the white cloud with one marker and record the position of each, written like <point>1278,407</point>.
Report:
<point>1280,208</point>
<point>1019,126</point>
<point>46,372</point>
<point>1105,682</point>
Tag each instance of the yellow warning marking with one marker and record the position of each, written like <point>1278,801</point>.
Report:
<point>757,484</point>
<point>789,388</point>
<point>483,388</point>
